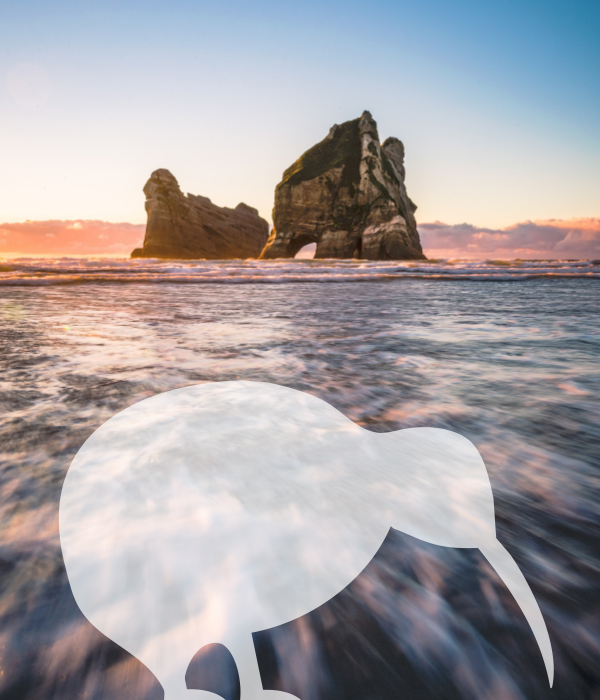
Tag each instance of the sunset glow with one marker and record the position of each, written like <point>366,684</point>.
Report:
<point>560,239</point>
<point>497,129</point>
<point>77,238</point>
<point>169,169</point>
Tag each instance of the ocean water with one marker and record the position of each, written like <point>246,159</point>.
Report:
<point>39,272</point>
<point>508,354</point>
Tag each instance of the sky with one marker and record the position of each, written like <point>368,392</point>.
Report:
<point>497,103</point>
<point>554,239</point>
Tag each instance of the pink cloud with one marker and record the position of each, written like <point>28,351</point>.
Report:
<point>77,237</point>
<point>552,238</point>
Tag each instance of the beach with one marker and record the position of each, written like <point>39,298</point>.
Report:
<point>502,352</point>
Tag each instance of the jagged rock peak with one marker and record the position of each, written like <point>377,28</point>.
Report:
<point>347,195</point>
<point>191,226</point>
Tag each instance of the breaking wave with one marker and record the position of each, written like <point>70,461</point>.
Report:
<point>53,271</point>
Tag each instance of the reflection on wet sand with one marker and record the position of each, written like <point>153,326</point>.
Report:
<point>210,512</point>
<point>494,362</point>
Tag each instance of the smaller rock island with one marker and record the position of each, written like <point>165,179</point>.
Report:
<point>347,195</point>
<point>192,227</point>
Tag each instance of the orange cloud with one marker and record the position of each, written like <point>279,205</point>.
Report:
<point>551,238</point>
<point>77,237</point>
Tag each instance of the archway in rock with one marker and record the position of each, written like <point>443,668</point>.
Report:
<point>299,242</point>
<point>307,252</point>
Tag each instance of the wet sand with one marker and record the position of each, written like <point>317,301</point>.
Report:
<point>512,366</point>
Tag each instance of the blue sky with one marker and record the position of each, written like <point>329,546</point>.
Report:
<point>498,103</point>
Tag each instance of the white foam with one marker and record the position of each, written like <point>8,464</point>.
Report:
<point>53,271</point>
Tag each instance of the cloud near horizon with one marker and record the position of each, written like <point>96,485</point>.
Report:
<point>72,237</point>
<point>552,238</point>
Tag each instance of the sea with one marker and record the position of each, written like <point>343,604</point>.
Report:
<point>507,353</point>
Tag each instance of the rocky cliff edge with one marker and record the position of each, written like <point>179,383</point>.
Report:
<point>347,195</point>
<point>192,227</point>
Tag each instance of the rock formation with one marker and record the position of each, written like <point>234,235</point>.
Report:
<point>347,195</point>
<point>188,227</point>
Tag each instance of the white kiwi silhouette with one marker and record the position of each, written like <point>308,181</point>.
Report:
<point>207,513</point>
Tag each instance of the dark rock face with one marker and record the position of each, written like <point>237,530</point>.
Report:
<point>190,227</point>
<point>347,195</point>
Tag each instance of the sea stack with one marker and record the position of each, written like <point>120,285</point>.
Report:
<point>347,195</point>
<point>191,227</point>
